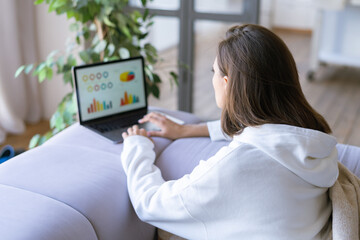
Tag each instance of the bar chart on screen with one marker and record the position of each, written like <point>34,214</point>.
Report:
<point>98,106</point>
<point>128,99</point>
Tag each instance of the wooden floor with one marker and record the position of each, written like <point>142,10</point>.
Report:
<point>335,94</point>
<point>22,141</point>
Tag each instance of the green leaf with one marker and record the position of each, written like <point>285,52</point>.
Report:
<point>95,40</point>
<point>19,70</point>
<point>126,31</point>
<point>71,60</point>
<point>53,119</point>
<point>150,49</point>
<point>149,73</point>
<point>49,62</point>
<point>56,5</point>
<point>68,77</point>
<point>37,2</point>
<point>29,68</point>
<point>144,35</point>
<point>74,27</point>
<point>92,27</point>
<point>146,13</point>
<point>39,68</point>
<point>59,122</point>
<point>156,78</point>
<point>111,49</point>
<point>42,75</point>
<point>94,9</point>
<point>100,46</point>
<point>70,14</point>
<point>67,116</point>
<point>60,64</point>
<point>113,58</point>
<point>53,53</point>
<point>124,53</point>
<point>155,91</point>
<point>149,24</point>
<point>86,34</point>
<point>34,141</point>
<point>174,78</point>
<point>95,57</point>
<point>143,2</point>
<point>84,56</point>
<point>49,73</point>
<point>136,14</point>
<point>70,110</point>
<point>108,22</point>
<point>46,137</point>
<point>150,67</point>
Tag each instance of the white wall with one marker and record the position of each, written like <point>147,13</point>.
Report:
<point>293,14</point>
<point>52,33</point>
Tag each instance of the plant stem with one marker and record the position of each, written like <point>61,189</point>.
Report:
<point>100,34</point>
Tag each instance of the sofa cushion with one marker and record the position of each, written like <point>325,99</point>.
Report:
<point>27,215</point>
<point>90,180</point>
<point>183,155</point>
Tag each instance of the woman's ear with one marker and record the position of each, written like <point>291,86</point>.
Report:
<point>225,82</point>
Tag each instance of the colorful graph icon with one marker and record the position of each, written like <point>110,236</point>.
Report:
<point>128,99</point>
<point>85,78</point>
<point>102,86</point>
<point>97,106</point>
<point>127,76</point>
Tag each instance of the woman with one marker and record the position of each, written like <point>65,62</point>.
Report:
<point>271,181</point>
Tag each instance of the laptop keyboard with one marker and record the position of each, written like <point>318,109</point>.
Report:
<point>114,125</point>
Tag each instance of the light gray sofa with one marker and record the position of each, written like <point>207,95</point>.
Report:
<point>73,186</point>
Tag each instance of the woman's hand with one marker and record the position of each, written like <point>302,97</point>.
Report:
<point>172,130</point>
<point>169,129</point>
<point>134,130</point>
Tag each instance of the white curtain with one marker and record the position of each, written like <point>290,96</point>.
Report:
<point>19,97</point>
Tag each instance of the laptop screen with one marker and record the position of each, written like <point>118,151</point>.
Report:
<point>109,88</point>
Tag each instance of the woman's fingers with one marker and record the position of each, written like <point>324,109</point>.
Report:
<point>124,135</point>
<point>169,129</point>
<point>155,118</point>
<point>143,132</point>
<point>134,130</point>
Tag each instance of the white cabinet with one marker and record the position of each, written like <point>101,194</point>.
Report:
<point>336,37</point>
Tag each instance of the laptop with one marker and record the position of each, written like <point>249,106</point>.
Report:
<point>111,96</point>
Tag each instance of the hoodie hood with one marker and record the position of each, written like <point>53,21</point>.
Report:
<point>310,154</point>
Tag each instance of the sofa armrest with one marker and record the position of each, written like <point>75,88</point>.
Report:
<point>349,155</point>
<point>81,170</point>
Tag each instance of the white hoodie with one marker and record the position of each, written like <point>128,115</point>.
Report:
<point>270,182</point>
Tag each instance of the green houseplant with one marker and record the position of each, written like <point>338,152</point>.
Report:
<point>107,30</point>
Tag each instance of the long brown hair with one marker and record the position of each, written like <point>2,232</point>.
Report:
<point>263,85</point>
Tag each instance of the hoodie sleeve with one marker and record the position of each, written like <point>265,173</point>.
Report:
<point>215,131</point>
<point>154,200</point>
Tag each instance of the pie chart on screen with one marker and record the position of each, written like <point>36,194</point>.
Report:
<point>127,76</point>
